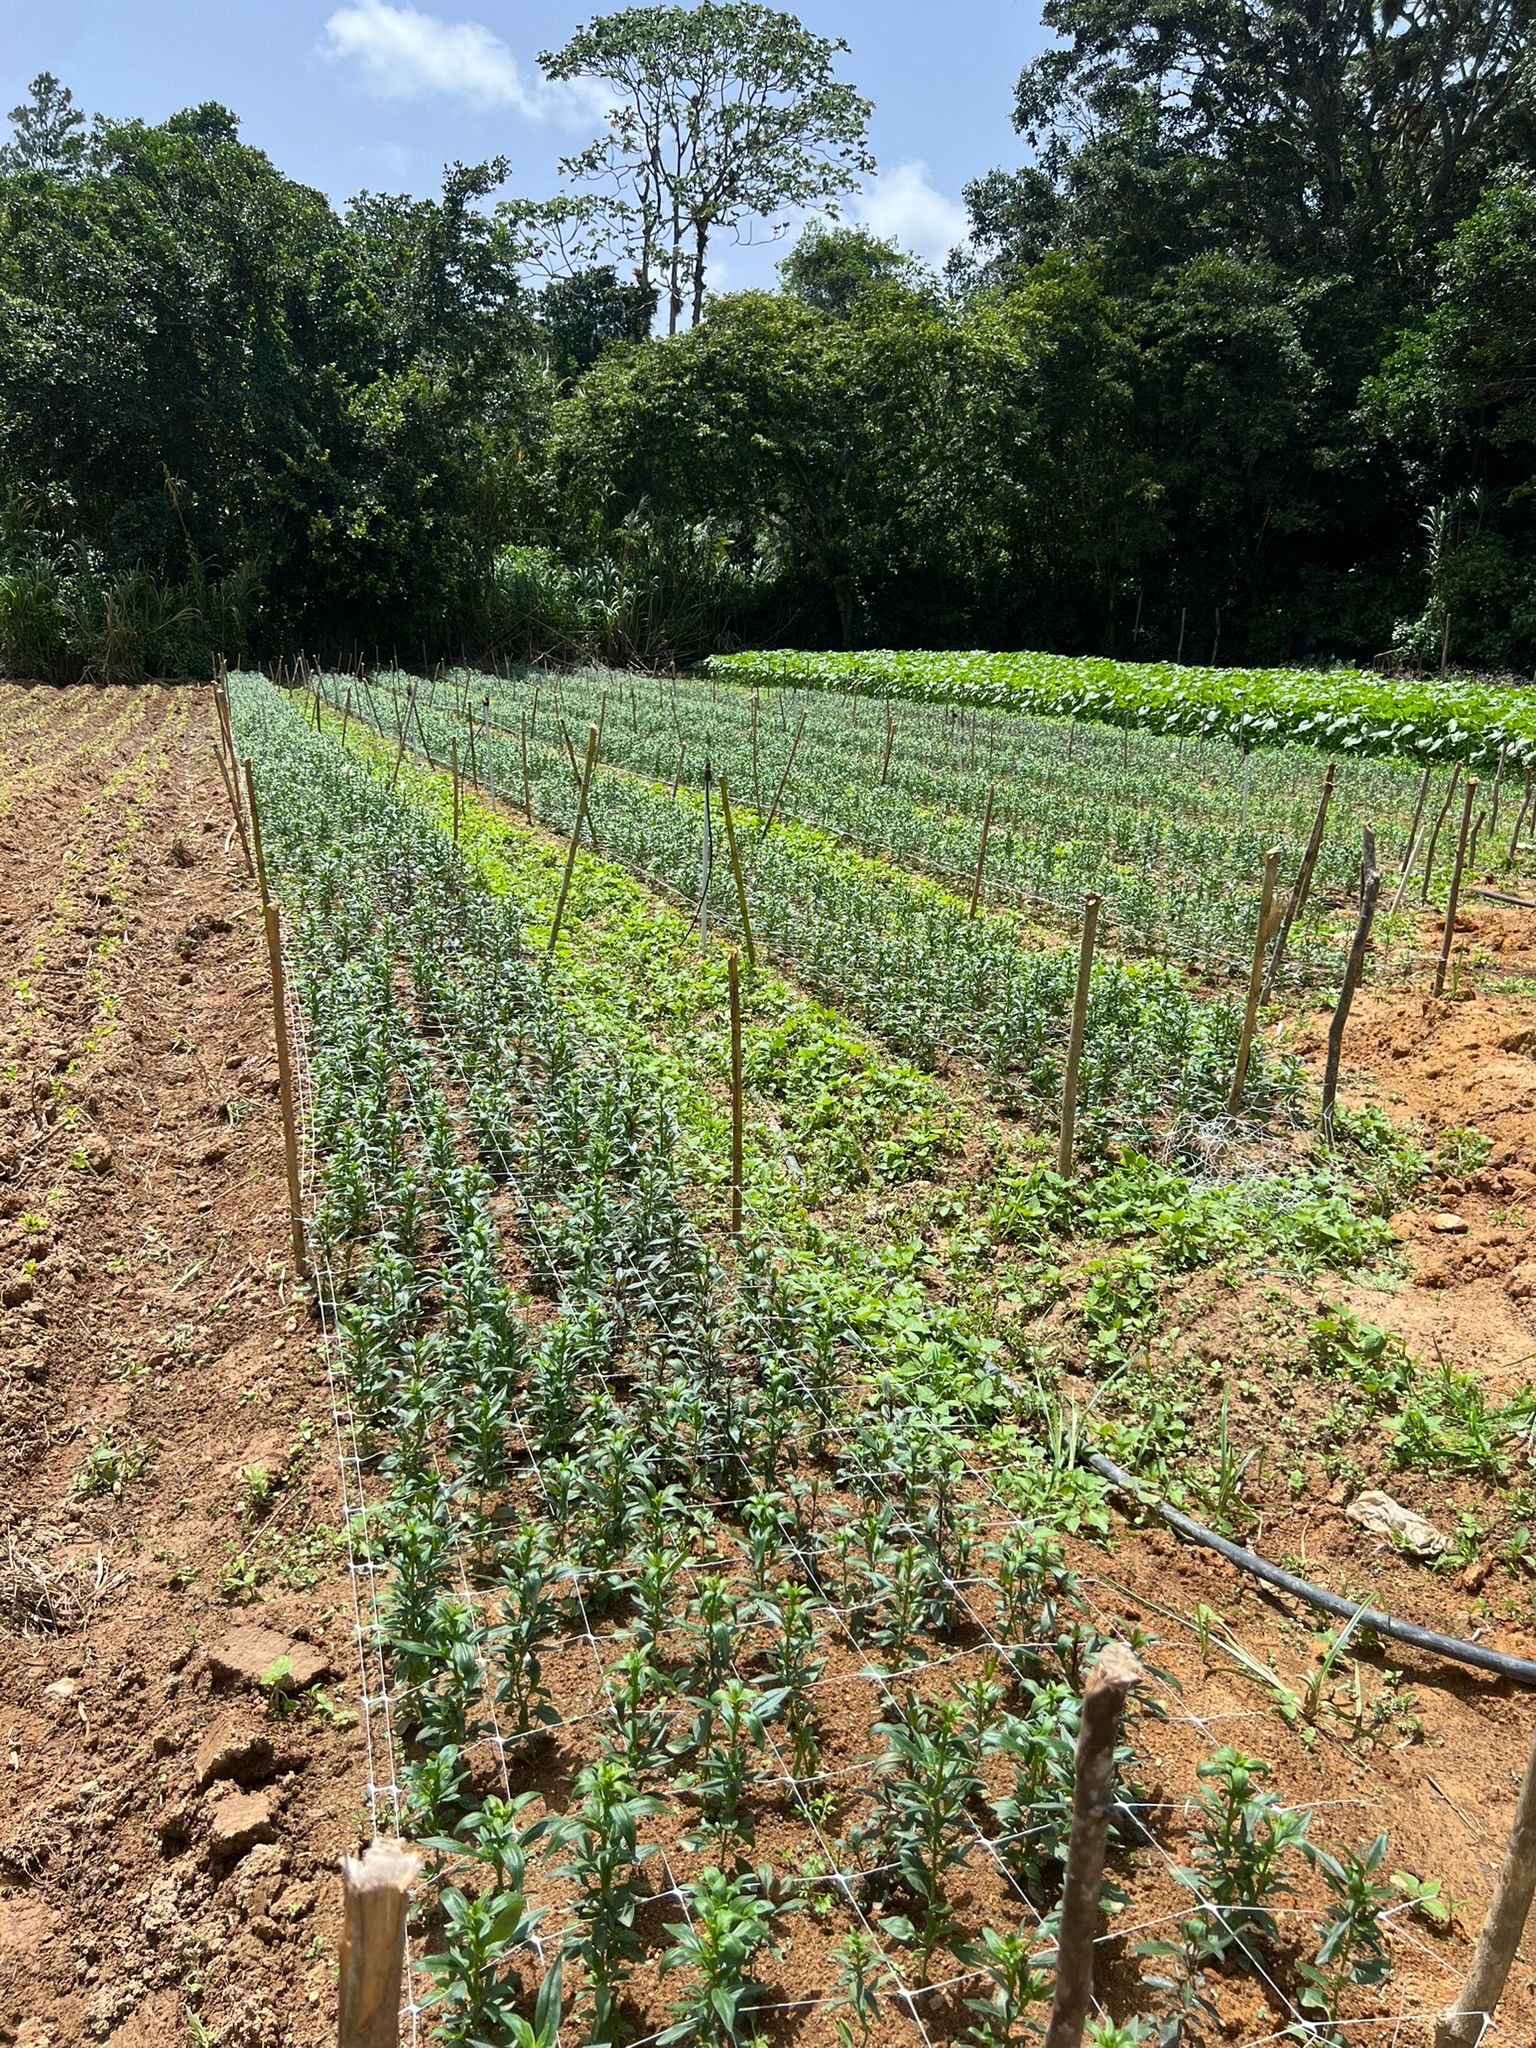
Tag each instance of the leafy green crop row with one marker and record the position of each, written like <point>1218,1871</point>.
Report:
<point>1343,710</point>
<point>682,1511</point>
<point>900,952</point>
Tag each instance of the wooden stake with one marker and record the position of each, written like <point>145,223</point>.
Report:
<point>261,857</point>
<point>890,736</point>
<point>374,1888</point>
<point>234,805</point>
<point>1302,887</point>
<point>1498,778</point>
<point>346,715</point>
<point>1370,890</point>
<point>677,772</point>
<point>1514,837</point>
<point>741,887</point>
<point>570,856</point>
<point>1463,2024</point>
<point>1448,935</point>
<point>522,749</point>
<point>1255,979</point>
<point>1411,853</point>
<point>453,772</point>
<point>285,1090</point>
<point>773,808</point>
<point>757,795</point>
<point>474,766</point>
<point>1114,1676</point>
<point>1075,1041</point>
<point>981,853</point>
<point>733,977</point>
<point>1434,837</point>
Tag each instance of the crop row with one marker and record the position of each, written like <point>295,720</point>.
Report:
<point>1346,711</point>
<point>1163,829</point>
<point>722,1658</point>
<point>896,950</point>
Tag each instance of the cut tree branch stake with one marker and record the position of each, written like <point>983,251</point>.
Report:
<point>1463,2024</point>
<point>1114,1676</point>
<point>374,1888</point>
<point>1075,1042</point>
<point>1370,890</point>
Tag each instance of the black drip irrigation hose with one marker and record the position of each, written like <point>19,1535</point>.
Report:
<point>1520,1669</point>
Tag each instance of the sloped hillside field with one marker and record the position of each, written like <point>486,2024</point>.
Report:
<point>765,1277</point>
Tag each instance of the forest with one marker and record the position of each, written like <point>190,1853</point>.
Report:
<point>1238,363</point>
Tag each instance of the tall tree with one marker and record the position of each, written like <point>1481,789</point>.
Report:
<point>723,114</point>
<point>47,131</point>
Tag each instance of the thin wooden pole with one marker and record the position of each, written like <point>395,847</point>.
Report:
<point>453,773</point>
<point>1302,887</point>
<point>260,851</point>
<point>1463,2024</point>
<point>522,748</point>
<point>234,805</point>
<point>757,795</point>
<point>890,740</point>
<point>374,1888</point>
<point>285,1090</point>
<point>1370,890</point>
<point>346,716</point>
<point>741,887</point>
<point>677,772</point>
<point>733,977</point>
<point>1114,1676</point>
<point>981,852</point>
<point>794,748</point>
<point>570,856</point>
<point>1448,935</point>
<point>1411,853</point>
<point>474,766</point>
<point>1255,979</point>
<point>1064,1149</point>
<point>1498,780</point>
<point>1434,837</point>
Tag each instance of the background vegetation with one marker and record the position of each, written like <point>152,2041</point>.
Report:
<point>1239,365</point>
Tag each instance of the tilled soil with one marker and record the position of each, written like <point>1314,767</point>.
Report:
<point>168,1842</point>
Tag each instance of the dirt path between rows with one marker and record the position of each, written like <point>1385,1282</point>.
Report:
<point>167,1841</point>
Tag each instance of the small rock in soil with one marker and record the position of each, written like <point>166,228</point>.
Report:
<point>255,1656</point>
<point>239,1822</point>
<point>1448,1223</point>
<point>1380,1513</point>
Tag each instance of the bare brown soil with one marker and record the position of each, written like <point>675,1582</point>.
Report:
<point>167,1844</point>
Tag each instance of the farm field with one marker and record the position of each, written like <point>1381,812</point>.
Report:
<point>728,1583</point>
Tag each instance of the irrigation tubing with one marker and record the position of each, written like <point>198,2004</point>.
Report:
<point>1520,1669</point>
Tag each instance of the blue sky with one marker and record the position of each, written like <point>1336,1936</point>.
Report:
<point>351,93</point>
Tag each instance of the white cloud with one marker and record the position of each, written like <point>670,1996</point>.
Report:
<point>904,206</point>
<point>400,53</point>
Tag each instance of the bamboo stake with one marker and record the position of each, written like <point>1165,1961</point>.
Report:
<point>522,748</point>
<point>1301,889</point>
<point>1498,778</point>
<point>261,857</point>
<point>1463,2024</point>
<point>1434,837</point>
<point>346,715</point>
<point>285,1090</point>
<point>709,855</point>
<point>1114,1676</point>
<point>741,887</point>
<point>733,977</point>
<point>374,1888</point>
<point>474,765</point>
<point>1448,935</point>
<point>570,856</point>
<point>757,795</point>
<point>453,772</point>
<point>1413,841</point>
<point>890,738</point>
<point>1075,1042</point>
<point>981,855</point>
<point>234,805</point>
<point>677,772</point>
<point>1255,979</point>
<point>773,808</point>
<point>1370,890</point>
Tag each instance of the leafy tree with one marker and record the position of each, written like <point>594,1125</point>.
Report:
<point>47,131</point>
<point>834,269</point>
<point>724,113</point>
<point>591,310</point>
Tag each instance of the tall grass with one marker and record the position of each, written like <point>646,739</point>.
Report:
<point>63,625</point>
